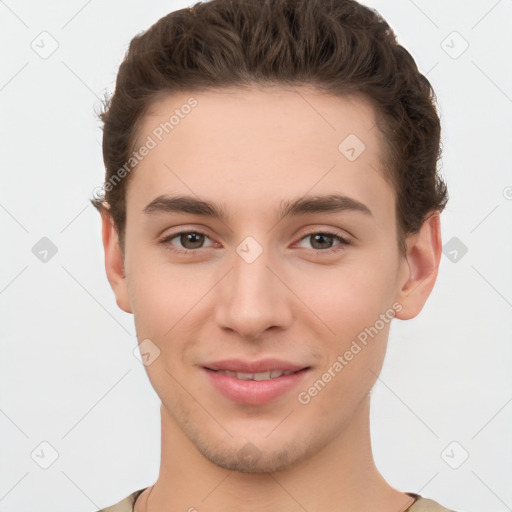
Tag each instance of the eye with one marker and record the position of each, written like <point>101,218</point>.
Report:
<point>190,241</point>
<point>322,241</point>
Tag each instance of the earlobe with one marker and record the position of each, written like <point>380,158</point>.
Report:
<point>114,263</point>
<point>423,256</point>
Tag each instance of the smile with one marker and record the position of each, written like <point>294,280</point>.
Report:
<point>256,376</point>
<point>254,388</point>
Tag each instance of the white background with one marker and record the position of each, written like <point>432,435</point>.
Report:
<point>68,375</point>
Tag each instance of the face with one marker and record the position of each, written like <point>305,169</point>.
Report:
<point>286,271</point>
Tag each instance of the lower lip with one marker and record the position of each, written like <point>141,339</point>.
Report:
<point>254,392</point>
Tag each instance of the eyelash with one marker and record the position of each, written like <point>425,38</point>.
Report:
<point>165,241</point>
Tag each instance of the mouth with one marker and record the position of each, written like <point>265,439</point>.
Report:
<point>257,387</point>
<point>270,374</point>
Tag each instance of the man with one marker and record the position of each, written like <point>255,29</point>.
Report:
<point>271,205</point>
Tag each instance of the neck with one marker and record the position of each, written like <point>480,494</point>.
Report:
<point>342,473</point>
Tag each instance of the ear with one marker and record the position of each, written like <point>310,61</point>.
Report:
<point>420,267</point>
<point>114,261</point>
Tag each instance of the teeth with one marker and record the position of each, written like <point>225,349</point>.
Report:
<point>256,376</point>
<point>245,376</point>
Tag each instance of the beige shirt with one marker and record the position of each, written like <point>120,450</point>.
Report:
<point>420,505</point>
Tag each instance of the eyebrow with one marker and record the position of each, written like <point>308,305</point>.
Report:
<point>332,203</point>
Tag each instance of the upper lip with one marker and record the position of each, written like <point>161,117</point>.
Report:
<point>263,365</point>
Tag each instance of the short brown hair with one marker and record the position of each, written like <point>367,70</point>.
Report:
<point>338,46</point>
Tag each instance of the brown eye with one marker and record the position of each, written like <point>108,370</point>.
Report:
<point>325,242</point>
<point>186,241</point>
<point>194,239</point>
<point>321,241</point>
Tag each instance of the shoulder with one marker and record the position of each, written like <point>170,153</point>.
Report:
<point>125,505</point>
<point>427,505</point>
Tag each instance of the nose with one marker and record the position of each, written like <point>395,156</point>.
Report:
<point>253,299</point>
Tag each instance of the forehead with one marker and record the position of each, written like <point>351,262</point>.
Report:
<point>236,143</point>
<point>274,114</point>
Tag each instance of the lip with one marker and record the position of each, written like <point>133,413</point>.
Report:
<point>253,392</point>
<point>264,365</point>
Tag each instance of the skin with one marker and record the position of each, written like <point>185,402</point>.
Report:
<point>249,150</point>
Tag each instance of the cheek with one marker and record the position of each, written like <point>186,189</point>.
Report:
<point>162,294</point>
<point>151,305</point>
<point>346,298</point>
<point>160,304</point>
